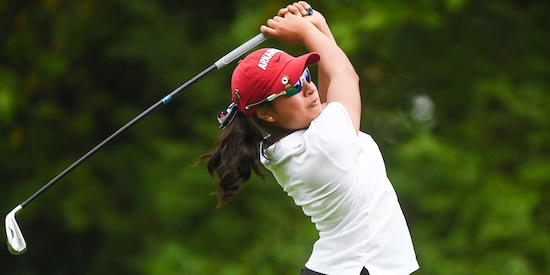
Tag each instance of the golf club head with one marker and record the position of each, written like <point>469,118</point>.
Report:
<point>16,242</point>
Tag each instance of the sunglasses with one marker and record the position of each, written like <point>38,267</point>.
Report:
<point>290,91</point>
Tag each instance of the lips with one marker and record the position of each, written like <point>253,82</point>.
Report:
<point>314,103</point>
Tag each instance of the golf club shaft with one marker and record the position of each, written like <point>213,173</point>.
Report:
<point>222,62</point>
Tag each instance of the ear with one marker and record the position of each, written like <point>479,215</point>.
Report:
<point>265,114</point>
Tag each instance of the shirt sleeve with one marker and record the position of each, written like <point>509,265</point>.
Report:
<point>335,135</point>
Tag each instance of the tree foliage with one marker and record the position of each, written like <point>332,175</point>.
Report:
<point>454,91</point>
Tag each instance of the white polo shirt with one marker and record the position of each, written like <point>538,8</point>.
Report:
<point>339,179</point>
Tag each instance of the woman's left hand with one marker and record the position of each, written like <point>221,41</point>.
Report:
<point>291,29</point>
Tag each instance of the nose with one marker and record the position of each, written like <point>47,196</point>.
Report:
<point>308,88</point>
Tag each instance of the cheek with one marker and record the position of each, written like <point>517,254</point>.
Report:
<point>284,107</point>
<point>291,114</point>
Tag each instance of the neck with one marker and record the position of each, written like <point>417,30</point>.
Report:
<point>277,134</point>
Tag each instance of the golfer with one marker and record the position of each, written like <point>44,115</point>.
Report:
<point>308,136</point>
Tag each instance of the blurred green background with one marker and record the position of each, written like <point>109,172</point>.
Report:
<point>456,92</point>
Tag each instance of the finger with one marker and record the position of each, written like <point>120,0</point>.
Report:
<point>271,23</point>
<point>305,4</point>
<point>282,11</point>
<point>307,7</point>
<point>301,9</point>
<point>293,9</point>
<point>277,18</point>
<point>267,30</point>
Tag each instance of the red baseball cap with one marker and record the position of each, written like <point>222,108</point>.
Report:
<point>265,72</point>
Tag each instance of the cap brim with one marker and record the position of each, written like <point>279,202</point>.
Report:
<point>294,69</point>
<point>312,58</point>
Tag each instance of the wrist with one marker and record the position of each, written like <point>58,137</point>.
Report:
<point>313,38</point>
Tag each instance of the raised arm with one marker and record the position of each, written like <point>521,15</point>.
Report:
<point>319,21</point>
<point>337,72</point>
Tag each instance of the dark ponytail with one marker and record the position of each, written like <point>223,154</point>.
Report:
<point>235,156</point>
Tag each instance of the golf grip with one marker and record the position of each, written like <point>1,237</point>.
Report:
<point>234,54</point>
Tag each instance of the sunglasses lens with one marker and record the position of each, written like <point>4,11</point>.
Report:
<point>295,89</point>
<point>307,76</point>
<point>298,86</point>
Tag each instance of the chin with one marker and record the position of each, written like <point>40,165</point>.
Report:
<point>317,113</point>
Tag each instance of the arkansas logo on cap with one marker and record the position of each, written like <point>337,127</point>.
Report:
<point>265,72</point>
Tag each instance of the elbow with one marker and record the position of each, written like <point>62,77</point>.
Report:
<point>356,76</point>
<point>352,73</point>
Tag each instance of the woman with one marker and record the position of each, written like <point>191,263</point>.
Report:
<point>309,138</point>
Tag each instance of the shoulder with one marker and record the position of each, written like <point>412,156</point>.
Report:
<point>333,108</point>
<point>334,121</point>
<point>331,134</point>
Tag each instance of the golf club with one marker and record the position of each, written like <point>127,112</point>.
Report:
<point>16,242</point>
